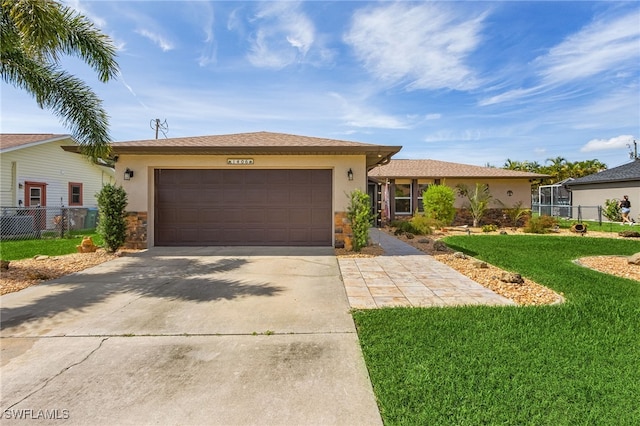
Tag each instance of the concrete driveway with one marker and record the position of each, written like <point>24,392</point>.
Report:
<point>229,336</point>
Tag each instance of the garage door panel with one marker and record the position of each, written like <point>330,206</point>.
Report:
<point>299,235</point>
<point>255,216</point>
<point>187,215</point>
<point>256,196</point>
<point>243,207</point>
<point>210,215</point>
<point>300,217</point>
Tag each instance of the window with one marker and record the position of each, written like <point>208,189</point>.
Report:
<point>421,188</point>
<point>75,194</point>
<point>403,198</point>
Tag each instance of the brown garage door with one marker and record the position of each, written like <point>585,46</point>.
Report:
<point>243,207</point>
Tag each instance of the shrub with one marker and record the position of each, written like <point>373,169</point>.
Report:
<point>112,226</point>
<point>422,225</point>
<point>489,228</point>
<point>611,210</point>
<point>359,214</point>
<point>438,204</point>
<point>404,226</point>
<point>540,224</point>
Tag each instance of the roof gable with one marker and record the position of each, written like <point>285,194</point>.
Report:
<point>444,169</point>
<point>12,141</point>
<point>258,143</point>
<point>625,172</point>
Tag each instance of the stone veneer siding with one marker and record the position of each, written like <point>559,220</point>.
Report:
<point>342,228</point>
<point>136,230</point>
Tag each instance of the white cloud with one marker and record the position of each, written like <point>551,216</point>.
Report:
<point>210,50</point>
<point>423,45</point>
<point>618,142</point>
<point>599,47</point>
<point>361,115</point>
<point>605,46</point>
<point>433,116</point>
<point>157,38</point>
<point>284,35</point>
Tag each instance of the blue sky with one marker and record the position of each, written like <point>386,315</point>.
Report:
<point>462,81</point>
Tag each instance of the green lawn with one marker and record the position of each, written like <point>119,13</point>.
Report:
<point>572,364</point>
<point>24,249</point>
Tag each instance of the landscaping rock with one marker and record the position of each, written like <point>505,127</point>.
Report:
<point>439,246</point>
<point>629,234</point>
<point>634,259</point>
<point>409,236</point>
<point>459,255</point>
<point>503,233</point>
<point>480,264</point>
<point>40,257</point>
<point>424,241</point>
<point>510,277</point>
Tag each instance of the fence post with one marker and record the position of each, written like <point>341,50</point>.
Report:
<point>599,215</point>
<point>63,220</point>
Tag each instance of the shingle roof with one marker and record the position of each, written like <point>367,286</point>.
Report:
<point>265,143</point>
<point>256,140</point>
<point>625,172</point>
<point>11,141</point>
<point>443,169</point>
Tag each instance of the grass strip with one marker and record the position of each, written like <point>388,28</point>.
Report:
<point>26,249</point>
<point>575,363</point>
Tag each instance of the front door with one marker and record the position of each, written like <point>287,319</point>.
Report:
<point>35,195</point>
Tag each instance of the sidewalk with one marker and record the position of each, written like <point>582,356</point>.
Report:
<point>405,276</point>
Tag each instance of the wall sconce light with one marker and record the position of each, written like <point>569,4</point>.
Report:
<point>350,174</point>
<point>509,193</point>
<point>128,174</point>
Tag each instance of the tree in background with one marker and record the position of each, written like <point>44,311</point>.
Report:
<point>35,34</point>
<point>558,169</point>
<point>112,226</point>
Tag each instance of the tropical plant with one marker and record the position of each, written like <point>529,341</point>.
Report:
<point>360,216</point>
<point>478,200</point>
<point>112,227</point>
<point>438,202</point>
<point>611,210</point>
<point>35,34</point>
<point>516,213</point>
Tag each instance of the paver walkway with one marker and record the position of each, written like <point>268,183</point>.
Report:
<point>405,276</point>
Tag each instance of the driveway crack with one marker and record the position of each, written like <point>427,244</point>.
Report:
<point>50,379</point>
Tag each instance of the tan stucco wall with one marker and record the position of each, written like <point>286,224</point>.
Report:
<point>140,189</point>
<point>591,196</point>
<point>498,187</point>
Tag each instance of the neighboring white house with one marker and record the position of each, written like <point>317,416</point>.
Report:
<point>591,192</point>
<point>36,172</point>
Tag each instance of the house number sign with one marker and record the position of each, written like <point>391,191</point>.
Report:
<point>239,161</point>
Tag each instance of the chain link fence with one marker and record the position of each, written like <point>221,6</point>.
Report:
<point>19,223</point>
<point>569,212</point>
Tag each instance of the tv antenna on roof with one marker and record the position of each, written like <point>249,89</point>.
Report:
<point>161,126</point>
<point>633,153</point>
